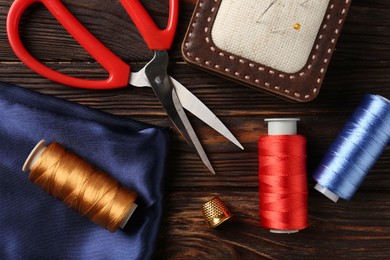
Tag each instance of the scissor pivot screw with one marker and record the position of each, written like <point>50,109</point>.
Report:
<point>158,80</point>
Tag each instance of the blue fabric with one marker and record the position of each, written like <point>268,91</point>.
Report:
<point>35,225</point>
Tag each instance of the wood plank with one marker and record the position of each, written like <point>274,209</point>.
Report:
<point>244,116</point>
<point>358,229</point>
<point>333,231</point>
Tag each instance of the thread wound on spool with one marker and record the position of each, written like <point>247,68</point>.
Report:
<point>283,182</point>
<point>355,150</point>
<point>83,187</point>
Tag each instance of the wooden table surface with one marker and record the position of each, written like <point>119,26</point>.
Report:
<point>361,64</point>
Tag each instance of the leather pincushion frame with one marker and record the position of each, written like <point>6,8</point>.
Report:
<point>35,225</point>
<point>282,47</point>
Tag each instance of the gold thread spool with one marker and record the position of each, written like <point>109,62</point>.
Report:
<point>81,186</point>
<point>215,212</point>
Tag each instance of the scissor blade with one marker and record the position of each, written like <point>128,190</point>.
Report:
<point>192,137</point>
<point>166,93</point>
<point>191,103</point>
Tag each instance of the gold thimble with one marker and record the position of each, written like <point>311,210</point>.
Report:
<point>215,212</point>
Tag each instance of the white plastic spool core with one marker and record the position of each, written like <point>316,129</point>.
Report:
<point>128,216</point>
<point>33,158</point>
<point>282,126</point>
<point>275,231</point>
<point>34,155</point>
<point>329,194</point>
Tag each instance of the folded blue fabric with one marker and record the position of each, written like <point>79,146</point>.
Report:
<point>35,225</point>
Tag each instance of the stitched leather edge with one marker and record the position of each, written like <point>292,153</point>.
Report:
<point>199,50</point>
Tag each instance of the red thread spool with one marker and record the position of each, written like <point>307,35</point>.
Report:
<point>282,177</point>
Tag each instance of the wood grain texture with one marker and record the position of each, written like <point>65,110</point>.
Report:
<point>359,229</point>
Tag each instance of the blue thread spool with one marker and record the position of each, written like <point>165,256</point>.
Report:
<point>355,150</point>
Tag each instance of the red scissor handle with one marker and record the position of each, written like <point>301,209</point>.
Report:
<point>155,38</point>
<point>119,71</point>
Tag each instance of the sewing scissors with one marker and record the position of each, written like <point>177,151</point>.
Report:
<point>172,95</point>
